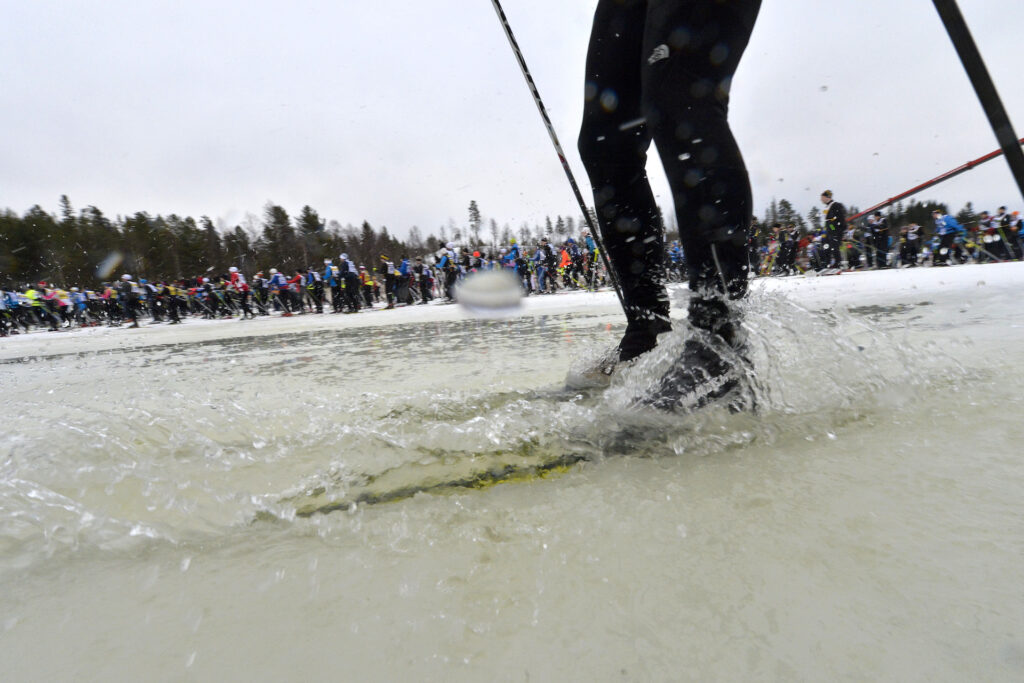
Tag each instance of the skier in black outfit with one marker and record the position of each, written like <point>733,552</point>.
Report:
<point>661,70</point>
<point>835,228</point>
<point>878,240</point>
<point>350,277</point>
<point>128,297</point>
<point>387,269</point>
<point>422,270</point>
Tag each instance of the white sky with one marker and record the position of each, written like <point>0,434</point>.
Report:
<point>401,112</point>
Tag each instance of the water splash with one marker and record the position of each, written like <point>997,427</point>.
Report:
<point>123,463</point>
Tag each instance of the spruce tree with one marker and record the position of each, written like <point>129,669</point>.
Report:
<point>310,230</point>
<point>475,222</point>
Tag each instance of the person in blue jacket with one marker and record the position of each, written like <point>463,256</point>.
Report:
<point>509,258</point>
<point>947,229</point>
<point>332,279</point>
<point>450,270</point>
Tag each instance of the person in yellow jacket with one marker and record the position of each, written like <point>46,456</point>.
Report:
<point>366,284</point>
<point>39,308</point>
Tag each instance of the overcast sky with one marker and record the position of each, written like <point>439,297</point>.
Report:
<point>401,112</point>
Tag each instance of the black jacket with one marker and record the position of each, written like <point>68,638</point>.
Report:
<point>835,217</point>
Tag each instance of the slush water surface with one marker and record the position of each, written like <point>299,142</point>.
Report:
<point>159,500</point>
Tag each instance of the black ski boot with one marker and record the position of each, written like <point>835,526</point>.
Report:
<point>713,367</point>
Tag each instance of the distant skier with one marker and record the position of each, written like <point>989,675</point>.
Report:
<point>315,288</point>
<point>946,229</point>
<point>366,285</point>
<point>910,244</point>
<point>279,290</point>
<point>1003,223</point>
<point>387,270</point>
<point>449,270</point>
<point>877,247</point>
<point>261,292</point>
<point>350,279</point>
<point>835,228</point>
<point>128,295</point>
<point>426,280</point>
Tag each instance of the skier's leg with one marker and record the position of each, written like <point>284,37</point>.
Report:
<point>691,50</point>
<point>685,57</point>
<point>613,143</point>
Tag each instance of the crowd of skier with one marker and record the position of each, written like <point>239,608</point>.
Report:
<point>340,286</point>
<point>343,286</point>
<point>838,246</point>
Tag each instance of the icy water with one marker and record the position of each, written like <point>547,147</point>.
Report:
<point>332,503</point>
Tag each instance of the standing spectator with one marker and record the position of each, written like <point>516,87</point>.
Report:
<point>835,228</point>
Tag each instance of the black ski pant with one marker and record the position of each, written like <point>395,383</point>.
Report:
<point>129,311</point>
<point>450,276</point>
<point>945,253</point>
<point>318,296</point>
<point>245,298</point>
<point>172,309</point>
<point>352,292</point>
<point>908,253</point>
<point>660,70</point>
<point>882,251</point>
<point>832,256</point>
<point>1005,246</point>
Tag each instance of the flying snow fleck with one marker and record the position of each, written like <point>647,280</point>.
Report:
<point>109,264</point>
<point>635,123</point>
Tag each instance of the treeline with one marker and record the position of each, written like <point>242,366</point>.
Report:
<point>87,247</point>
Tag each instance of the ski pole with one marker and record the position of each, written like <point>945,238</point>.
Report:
<point>558,147</point>
<point>980,79</point>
